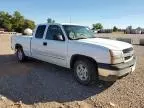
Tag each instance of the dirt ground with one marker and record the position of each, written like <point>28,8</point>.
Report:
<point>36,84</point>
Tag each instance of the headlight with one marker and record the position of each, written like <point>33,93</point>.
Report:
<point>116,57</point>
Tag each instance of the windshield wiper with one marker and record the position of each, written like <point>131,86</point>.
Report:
<point>92,37</point>
<point>80,38</point>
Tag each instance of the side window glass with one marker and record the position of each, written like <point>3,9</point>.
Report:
<point>54,33</point>
<point>40,31</point>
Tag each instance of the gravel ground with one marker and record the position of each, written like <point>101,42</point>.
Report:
<point>36,84</point>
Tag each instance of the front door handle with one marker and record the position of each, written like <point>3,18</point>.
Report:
<point>44,43</point>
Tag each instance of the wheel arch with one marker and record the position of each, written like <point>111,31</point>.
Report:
<point>18,46</point>
<point>78,56</point>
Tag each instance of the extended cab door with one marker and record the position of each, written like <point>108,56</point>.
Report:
<point>37,47</point>
<point>55,46</point>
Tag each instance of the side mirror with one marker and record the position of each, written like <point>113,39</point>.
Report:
<point>59,37</point>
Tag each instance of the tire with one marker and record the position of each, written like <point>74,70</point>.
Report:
<point>85,71</point>
<point>20,55</point>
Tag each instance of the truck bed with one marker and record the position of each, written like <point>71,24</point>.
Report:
<point>23,40</point>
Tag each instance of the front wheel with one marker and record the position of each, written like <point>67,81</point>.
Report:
<point>85,71</point>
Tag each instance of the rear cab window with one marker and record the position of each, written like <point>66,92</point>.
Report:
<point>40,31</point>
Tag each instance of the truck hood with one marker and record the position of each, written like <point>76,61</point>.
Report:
<point>107,43</point>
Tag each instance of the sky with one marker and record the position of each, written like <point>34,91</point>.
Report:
<point>120,13</point>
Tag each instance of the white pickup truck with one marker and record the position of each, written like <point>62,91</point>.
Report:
<point>76,47</point>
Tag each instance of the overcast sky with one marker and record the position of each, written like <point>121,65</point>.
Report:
<point>121,13</point>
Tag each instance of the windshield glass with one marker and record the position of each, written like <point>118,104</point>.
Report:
<point>75,32</point>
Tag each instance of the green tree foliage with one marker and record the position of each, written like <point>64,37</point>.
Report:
<point>5,20</point>
<point>97,26</point>
<point>18,22</point>
<point>29,24</point>
<point>49,20</point>
<point>115,29</point>
<point>15,22</point>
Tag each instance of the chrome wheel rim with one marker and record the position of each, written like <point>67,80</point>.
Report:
<point>82,72</point>
<point>20,55</point>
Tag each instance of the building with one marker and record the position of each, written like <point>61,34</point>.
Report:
<point>2,30</point>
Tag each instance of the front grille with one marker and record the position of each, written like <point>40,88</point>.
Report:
<point>128,53</point>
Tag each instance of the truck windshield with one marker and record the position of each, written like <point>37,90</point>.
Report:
<point>75,32</point>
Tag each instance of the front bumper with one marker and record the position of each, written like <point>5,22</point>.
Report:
<point>108,72</point>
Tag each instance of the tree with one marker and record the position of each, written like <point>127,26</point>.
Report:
<point>97,26</point>
<point>139,28</point>
<point>129,27</point>
<point>49,20</point>
<point>7,25</point>
<point>15,22</point>
<point>128,30</point>
<point>5,21</point>
<point>29,24</point>
<point>115,29</point>
<point>18,22</point>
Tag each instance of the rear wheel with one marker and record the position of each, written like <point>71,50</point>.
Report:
<point>85,71</point>
<point>20,55</point>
